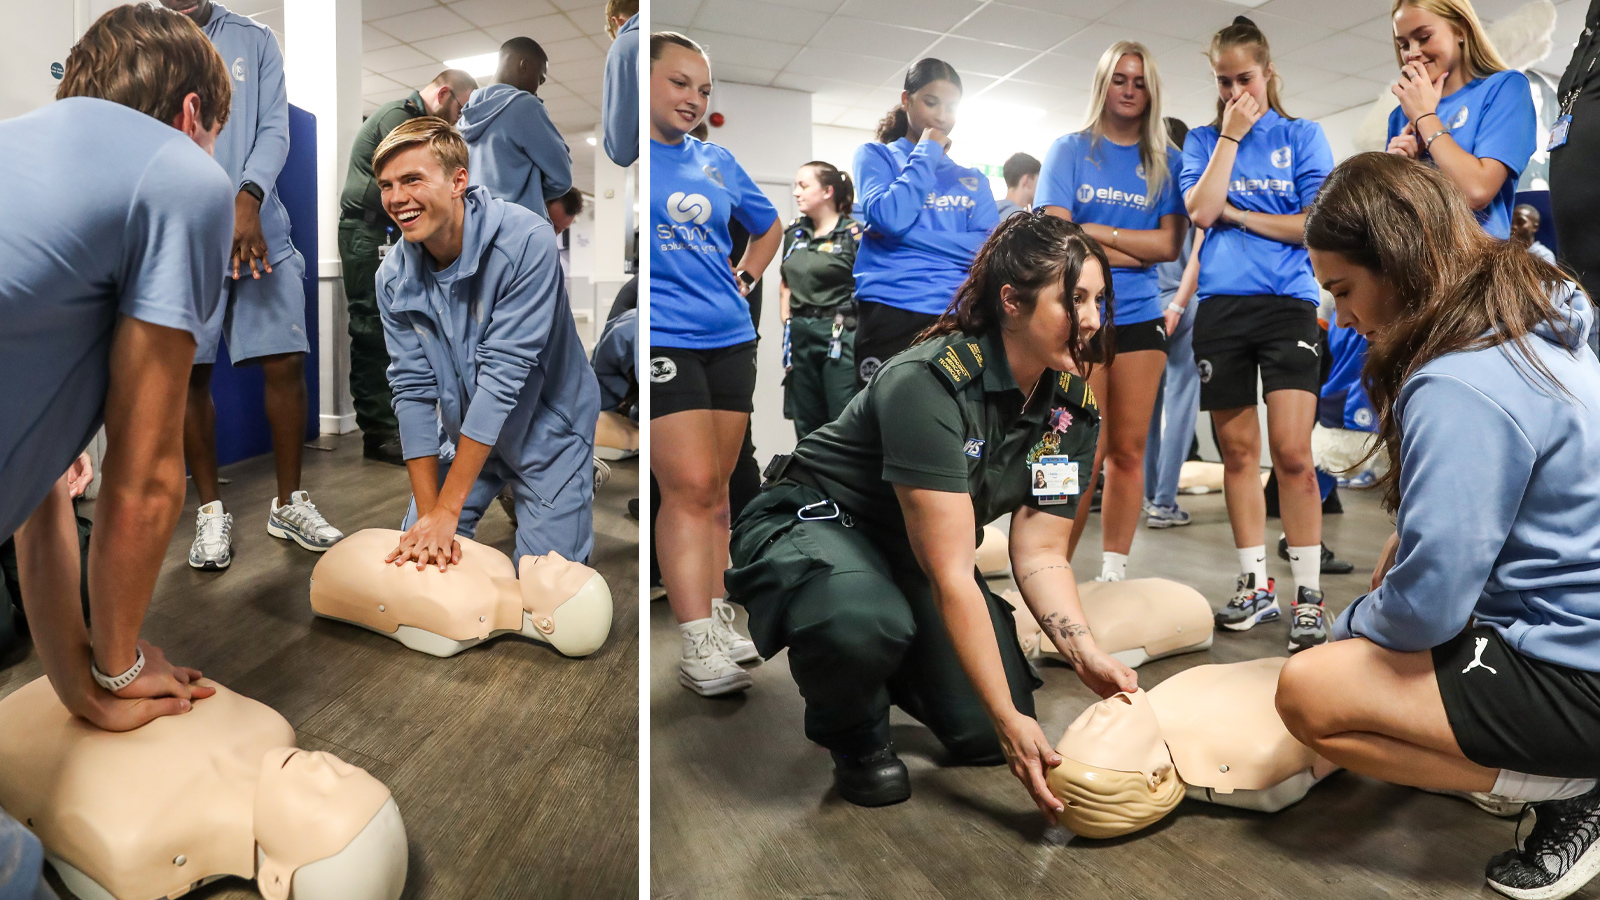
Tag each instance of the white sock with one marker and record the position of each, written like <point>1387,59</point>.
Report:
<point>689,629</point>
<point>1539,788</point>
<point>1253,561</point>
<point>1305,563</point>
<point>1113,566</point>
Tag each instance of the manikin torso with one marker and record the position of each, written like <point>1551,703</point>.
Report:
<point>1135,621</point>
<point>187,799</point>
<point>559,602</point>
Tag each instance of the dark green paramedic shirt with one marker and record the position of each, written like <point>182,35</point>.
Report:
<point>360,185</point>
<point>947,415</point>
<point>820,270</point>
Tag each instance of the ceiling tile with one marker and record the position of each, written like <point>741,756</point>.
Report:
<point>933,15</point>
<point>825,113</point>
<point>1187,61</point>
<point>1301,73</point>
<point>456,46</point>
<point>383,97</point>
<point>732,49</point>
<point>1095,39</point>
<point>373,39</point>
<point>745,74</point>
<point>1304,108</point>
<point>377,9</point>
<point>566,105</point>
<point>544,29</point>
<point>422,24</point>
<point>575,5</point>
<point>672,15</point>
<point>568,53</point>
<point>499,12</point>
<point>1083,9</point>
<point>848,35</point>
<point>762,20</point>
<point>253,7</point>
<point>1337,16</point>
<point>1020,27</point>
<point>859,118</point>
<point>827,63</point>
<point>1286,35</point>
<point>1344,93</point>
<point>1191,20</point>
<point>397,57</point>
<point>1060,71</point>
<point>826,90</point>
<point>980,57</point>
<point>419,76</point>
<point>372,84</point>
<point>1348,54</point>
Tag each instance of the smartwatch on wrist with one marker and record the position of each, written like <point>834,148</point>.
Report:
<point>745,278</point>
<point>121,681</point>
<point>254,190</point>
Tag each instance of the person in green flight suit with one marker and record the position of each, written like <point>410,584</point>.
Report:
<point>818,297</point>
<point>859,554</point>
<point>364,239</point>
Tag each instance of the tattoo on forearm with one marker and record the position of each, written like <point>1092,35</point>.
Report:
<point>1057,625</point>
<point>1038,570</point>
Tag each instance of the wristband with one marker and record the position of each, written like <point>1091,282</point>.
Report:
<point>745,278</point>
<point>254,190</point>
<point>1176,307</point>
<point>1226,138</point>
<point>1428,144</point>
<point>1421,117</point>
<point>121,681</point>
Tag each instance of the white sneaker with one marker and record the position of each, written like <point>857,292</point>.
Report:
<point>705,667</point>
<point>1108,576</point>
<point>299,521</point>
<point>213,538</point>
<point>739,648</point>
<point>602,473</point>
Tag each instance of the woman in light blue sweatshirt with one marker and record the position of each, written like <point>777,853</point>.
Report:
<point>1474,663</point>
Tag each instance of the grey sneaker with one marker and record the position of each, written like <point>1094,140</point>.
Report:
<point>1310,626</point>
<point>1560,855</point>
<point>1164,516</point>
<point>299,521</point>
<point>213,538</point>
<point>739,648</point>
<point>1250,605</point>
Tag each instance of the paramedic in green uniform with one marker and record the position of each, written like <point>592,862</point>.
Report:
<point>818,297</point>
<point>364,236</point>
<point>859,554</point>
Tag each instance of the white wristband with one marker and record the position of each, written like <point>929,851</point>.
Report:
<point>121,681</point>
<point>1176,307</point>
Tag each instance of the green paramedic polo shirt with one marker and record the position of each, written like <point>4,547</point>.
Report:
<point>947,415</point>
<point>820,269</point>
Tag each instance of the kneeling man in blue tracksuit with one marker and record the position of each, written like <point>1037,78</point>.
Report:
<point>491,385</point>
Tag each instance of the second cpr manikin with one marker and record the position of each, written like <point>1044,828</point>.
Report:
<point>1134,621</point>
<point>556,601</point>
<point>185,800</point>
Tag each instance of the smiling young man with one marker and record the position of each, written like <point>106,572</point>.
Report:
<point>491,385</point>
<point>515,149</point>
<point>262,310</point>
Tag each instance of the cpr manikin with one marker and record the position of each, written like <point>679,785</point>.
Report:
<point>994,556</point>
<point>1197,477</point>
<point>1219,728</point>
<point>1134,621</point>
<point>220,790</point>
<point>557,601</point>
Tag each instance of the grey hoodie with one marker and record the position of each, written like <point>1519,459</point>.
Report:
<point>513,149</point>
<point>1499,501</point>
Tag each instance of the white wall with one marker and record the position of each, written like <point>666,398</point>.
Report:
<point>38,35</point>
<point>837,144</point>
<point>769,132</point>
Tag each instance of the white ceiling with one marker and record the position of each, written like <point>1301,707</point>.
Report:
<point>405,44</point>
<point>851,55</point>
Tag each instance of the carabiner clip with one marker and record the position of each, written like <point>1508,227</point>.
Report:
<point>801,512</point>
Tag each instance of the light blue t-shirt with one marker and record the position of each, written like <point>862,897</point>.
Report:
<point>1105,183</point>
<point>926,217</point>
<point>1279,168</point>
<point>138,225</point>
<point>1006,208</point>
<point>695,187</point>
<point>1491,118</point>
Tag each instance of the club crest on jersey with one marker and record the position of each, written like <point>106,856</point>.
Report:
<point>1363,417</point>
<point>1085,193</point>
<point>968,182</point>
<point>1460,118</point>
<point>974,448</point>
<point>713,174</point>
<point>1282,157</point>
<point>238,69</point>
<point>1138,171</point>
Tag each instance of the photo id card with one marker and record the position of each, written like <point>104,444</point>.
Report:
<point>1055,480</point>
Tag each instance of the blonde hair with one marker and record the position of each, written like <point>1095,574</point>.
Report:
<point>1482,59</point>
<point>1100,803</point>
<point>1154,143</point>
<point>438,135</point>
<point>1245,33</point>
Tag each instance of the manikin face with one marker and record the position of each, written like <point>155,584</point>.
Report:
<point>932,106</point>
<point>1425,37</point>
<point>552,575</point>
<point>680,90</point>
<point>1238,73</point>
<point>810,197</point>
<point>309,806</point>
<point>1365,299</point>
<point>1047,327</point>
<point>1129,96</point>
<point>418,195</point>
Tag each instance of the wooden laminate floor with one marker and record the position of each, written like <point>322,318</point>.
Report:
<point>742,805</point>
<point>515,768</point>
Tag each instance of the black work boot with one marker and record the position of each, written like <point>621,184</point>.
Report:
<point>878,778</point>
<point>1331,565</point>
<point>383,448</point>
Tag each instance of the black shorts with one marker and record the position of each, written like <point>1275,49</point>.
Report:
<point>1511,711</point>
<point>881,332</point>
<point>1235,337</point>
<point>722,379</point>
<point>1151,334</point>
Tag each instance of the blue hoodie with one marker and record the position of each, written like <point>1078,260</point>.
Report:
<point>616,361</point>
<point>926,218</point>
<point>486,347</point>
<point>513,149</point>
<point>1499,496</point>
<point>619,96</point>
<point>254,145</point>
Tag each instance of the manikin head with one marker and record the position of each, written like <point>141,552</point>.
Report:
<point>446,94</point>
<point>421,169</point>
<point>319,821</point>
<point>1116,776</point>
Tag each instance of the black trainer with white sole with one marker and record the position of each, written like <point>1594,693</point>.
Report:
<point>1560,855</point>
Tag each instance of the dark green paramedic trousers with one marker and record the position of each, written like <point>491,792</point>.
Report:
<point>862,629</point>
<point>369,356</point>
<point>817,387</point>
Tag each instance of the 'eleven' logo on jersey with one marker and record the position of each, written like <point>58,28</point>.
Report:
<point>694,208</point>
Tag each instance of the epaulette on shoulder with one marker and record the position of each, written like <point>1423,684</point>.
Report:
<point>1076,391</point>
<point>960,363</point>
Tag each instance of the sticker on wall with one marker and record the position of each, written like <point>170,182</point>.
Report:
<point>57,70</point>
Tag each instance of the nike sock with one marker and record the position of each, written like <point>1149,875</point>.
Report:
<point>1305,563</point>
<point>1539,788</point>
<point>1113,566</point>
<point>1253,561</point>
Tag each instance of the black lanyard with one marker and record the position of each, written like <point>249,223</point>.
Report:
<point>1591,25</point>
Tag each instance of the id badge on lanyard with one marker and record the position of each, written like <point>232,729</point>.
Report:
<point>1563,124</point>
<point>1054,480</point>
<point>835,345</point>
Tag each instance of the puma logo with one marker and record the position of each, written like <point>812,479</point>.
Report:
<point>1479,644</point>
<point>1310,347</point>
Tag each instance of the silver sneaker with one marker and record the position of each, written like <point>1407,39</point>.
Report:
<point>299,521</point>
<point>705,667</point>
<point>213,538</point>
<point>602,473</point>
<point>739,648</point>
